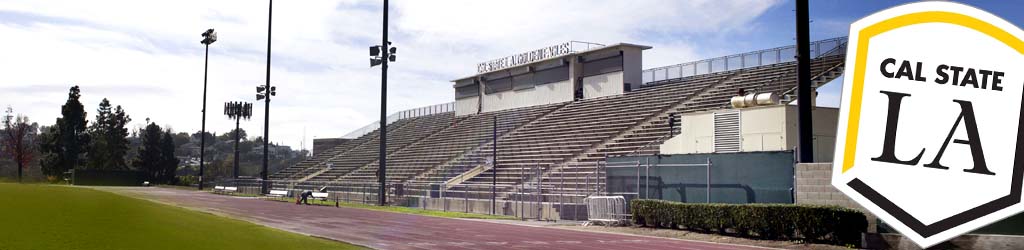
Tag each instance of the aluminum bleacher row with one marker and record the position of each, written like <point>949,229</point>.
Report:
<point>558,145</point>
<point>399,136</point>
<point>448,144</point>
<point>645,138</point>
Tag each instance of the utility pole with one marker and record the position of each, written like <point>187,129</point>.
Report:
<point>803,65</point>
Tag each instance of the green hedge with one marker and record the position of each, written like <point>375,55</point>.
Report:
<point>830,224</point>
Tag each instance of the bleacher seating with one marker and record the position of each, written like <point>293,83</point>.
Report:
<point>645,138</point>
<point>304,166</point>
<point>571,130</point>
<point>399,136</point>
<point>449,143</point>
<point>559,145</point>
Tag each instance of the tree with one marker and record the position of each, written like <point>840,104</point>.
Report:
<point>168,163</point>
<point>108,146</point>
<point>150,156</point>
<point>230,136</point>
<point>51,149</point>
<point>210,138</point>
<point>62,144</point>
<point>18,136</point>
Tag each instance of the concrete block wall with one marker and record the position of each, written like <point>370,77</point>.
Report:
<point>814,186</point>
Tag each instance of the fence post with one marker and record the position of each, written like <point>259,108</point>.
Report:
<point>540,194</point>
<point>638,179</point>
<point>708,165</point>
<point>561,193</point>
<point>647,179</point>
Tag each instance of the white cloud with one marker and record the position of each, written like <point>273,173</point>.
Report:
<point>146,55</point>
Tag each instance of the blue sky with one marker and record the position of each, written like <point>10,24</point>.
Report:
<point>146,56</point>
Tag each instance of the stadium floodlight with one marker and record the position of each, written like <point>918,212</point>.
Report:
<point>378,54</point>
<point>262,92</point>
<point>375,51</point>
<point>209,37</point>
<point>237,111</point>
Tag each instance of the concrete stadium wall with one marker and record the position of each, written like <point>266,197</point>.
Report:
<point>550,93</point>
<point>814,186</point>
<point>603,85</point>
<point>467,106</point>
<point>632,63</point>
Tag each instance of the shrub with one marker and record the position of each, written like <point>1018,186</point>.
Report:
<point>832,224</point>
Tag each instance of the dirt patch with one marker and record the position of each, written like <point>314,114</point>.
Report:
<point>689,235</point>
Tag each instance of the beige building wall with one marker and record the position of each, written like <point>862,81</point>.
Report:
<point>768,128</point>
<point>698,136</point>
<point>467,106</point>
<point>550,93</point>
<point>602,85</point>
<point>632,60</point>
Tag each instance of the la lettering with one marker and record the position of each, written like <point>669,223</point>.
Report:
<point>966,117</point>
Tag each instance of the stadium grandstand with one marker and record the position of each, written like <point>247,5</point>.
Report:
<point>538,126</point>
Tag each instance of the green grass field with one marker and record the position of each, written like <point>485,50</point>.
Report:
<point>59,217</point>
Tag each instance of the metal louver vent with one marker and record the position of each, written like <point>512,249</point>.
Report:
<point>727,132</point>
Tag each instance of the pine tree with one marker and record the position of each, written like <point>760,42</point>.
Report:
<point>109,145</point>
<point>169,163</point>
<point>149,157</point>
<point>62,146</point>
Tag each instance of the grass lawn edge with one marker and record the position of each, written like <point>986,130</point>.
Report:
<point>214,213</point>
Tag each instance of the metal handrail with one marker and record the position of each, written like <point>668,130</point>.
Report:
<point>404,114</point>
<point>708,66</point>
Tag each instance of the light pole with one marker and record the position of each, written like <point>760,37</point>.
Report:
<point>805,105</point>
<point>208,37</point>
<point>237,111</point>
<point>266,92</point>
<point>380,55</point>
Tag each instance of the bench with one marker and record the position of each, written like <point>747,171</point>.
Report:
<point>278,193</point>
<point>320,196</point>
<point>223,189</point>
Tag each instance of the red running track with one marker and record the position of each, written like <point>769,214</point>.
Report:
<point>385,230</point>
